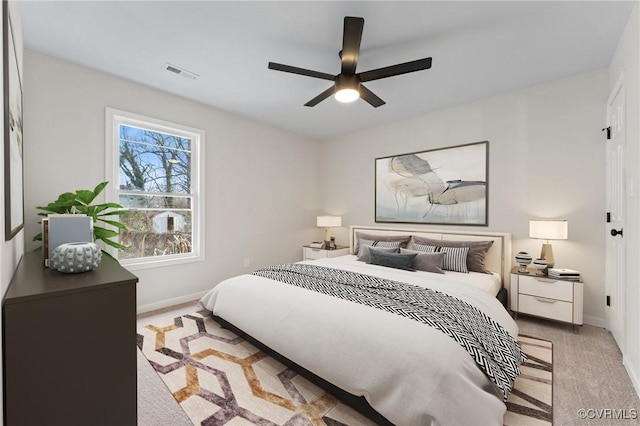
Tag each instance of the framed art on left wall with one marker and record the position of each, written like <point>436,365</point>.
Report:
<point>13,150</point>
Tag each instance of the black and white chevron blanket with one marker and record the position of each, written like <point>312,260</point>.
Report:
<point>494,350</point>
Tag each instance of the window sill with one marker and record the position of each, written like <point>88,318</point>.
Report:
<point>152,263</point>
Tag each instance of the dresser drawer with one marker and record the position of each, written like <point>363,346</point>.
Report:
<point>545,287</point>
<point>545,307</point>
<point>313,253</point>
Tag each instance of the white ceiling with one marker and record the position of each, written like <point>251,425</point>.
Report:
<point>479,49</point>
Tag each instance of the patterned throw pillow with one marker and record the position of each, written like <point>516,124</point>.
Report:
<point>455,259</point>
<point>424,248</point>
<point>393,260</point>
<point>360,236</point>
<point>376,243</point>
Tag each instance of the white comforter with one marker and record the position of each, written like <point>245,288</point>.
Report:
<point>409,372</point>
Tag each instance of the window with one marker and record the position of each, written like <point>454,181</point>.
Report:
<point>156,175</point>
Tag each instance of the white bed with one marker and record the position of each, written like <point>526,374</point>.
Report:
<point>410,373</point>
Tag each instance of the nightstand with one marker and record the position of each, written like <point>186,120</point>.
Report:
<point>551,298</point>
<point>310,253</point>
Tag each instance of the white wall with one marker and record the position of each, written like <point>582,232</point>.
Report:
<point>546,160</point>
<point>261,182</point>
<point>627,61</point>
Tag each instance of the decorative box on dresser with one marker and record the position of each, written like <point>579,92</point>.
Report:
<point>312,253</point>
<point>69,346</point>
<point>551,298</point>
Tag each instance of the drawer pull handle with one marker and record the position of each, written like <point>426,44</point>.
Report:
<point>545,300</point>
<point>545,280</point>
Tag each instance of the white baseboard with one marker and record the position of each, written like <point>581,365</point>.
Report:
<point>595,321</point>
<point>170,302</point>
<point>635,379</point>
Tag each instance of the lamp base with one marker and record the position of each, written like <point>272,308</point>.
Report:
<point>547,254</point>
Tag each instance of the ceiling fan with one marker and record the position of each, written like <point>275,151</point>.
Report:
<point>347,85</point>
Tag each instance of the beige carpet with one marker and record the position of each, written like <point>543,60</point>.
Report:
<point>588,374</point>
<point>220,379</point>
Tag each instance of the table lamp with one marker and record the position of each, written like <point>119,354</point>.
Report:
<point>547,229</point>
<point>328,222</point>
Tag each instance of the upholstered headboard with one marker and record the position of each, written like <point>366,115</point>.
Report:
<point>498,258</point>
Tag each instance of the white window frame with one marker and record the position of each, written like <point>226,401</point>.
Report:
<point>113,119</point>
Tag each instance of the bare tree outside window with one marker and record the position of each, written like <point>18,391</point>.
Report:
<point>155,188</point>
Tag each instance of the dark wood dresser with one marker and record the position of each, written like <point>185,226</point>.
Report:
<point>69,346</point>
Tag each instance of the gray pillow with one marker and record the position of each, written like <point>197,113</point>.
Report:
<point>475,257</point>
<point>393,260</point>
<point>455,260</point>
<point>365,251</point>
<point>428,262</point>
<point>402,239</point>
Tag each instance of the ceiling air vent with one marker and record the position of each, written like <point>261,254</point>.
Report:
<point>180,71</point>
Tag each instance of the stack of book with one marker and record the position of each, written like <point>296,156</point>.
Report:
<point>564,274</point>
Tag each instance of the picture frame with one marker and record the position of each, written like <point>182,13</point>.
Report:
<point>442,186</point>
<point>13,148</point>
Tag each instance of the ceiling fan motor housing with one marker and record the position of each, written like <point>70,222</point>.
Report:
<point>347,81</point>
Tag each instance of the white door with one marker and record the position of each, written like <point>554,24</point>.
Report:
<point>615,246</point>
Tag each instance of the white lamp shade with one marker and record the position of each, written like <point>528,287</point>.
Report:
<point>329,221</point>
<point>548,229</point>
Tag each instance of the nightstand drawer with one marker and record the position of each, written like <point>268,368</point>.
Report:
<point>310,253</point>
<point>313,253</point>
<point>547,288</point>
<point>545,307</point>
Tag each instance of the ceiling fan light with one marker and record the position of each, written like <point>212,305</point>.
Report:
<point>347,95</point>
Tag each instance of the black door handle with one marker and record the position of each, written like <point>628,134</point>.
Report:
<point>615,232</point>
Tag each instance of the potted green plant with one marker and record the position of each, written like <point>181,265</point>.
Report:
<point>79,202</point>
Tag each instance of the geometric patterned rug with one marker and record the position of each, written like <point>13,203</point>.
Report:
<point>219,378</point>
<point>531,400</point>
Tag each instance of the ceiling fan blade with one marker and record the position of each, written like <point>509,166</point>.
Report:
<point>351,43</point>
<point>370,97</point>
<point>407,67</point>
<point>300,71</point>
<point>321,97</point>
